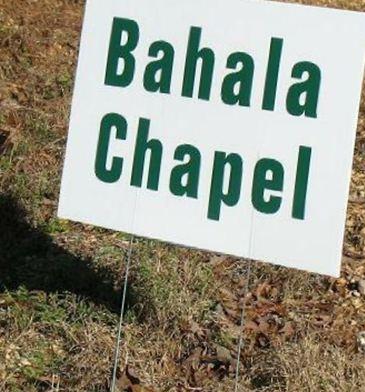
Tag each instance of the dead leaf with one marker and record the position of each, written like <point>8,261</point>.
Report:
<point>129,382</point>
<point>288,330</point>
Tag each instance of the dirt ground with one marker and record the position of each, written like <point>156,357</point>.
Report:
<point>60,281</point>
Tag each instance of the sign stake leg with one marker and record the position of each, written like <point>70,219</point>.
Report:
<point>243,317</point>
<point>121,317</point>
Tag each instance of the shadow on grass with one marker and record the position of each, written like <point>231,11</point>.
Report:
<point>29,258</point>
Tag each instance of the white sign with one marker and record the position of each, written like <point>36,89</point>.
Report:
<point>225,125</point>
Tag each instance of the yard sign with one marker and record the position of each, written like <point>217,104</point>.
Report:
<point>225,125</point>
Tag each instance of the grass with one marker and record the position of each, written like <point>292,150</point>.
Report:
<point>60,281</point>
<point>49,334</point>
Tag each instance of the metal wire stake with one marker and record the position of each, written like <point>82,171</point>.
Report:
<point>243,316</point>
<point>121,317</point>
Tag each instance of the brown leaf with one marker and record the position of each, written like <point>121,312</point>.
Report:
<point>288,330</point>
<point>194,357</point>
<point>263,290</point>
<point>251,326</point>
<point>129,382</point>
<point>223,355</point>
<point>264,326</point>
<point>322,320</point>
<point>230,303</point>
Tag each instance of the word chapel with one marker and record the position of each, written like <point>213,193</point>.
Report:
<point>269,174</point>
<point>237,86</point>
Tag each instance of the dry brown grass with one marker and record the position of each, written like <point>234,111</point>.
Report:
<point>59,280</point>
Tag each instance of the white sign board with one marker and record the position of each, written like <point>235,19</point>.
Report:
<point>225,125</point>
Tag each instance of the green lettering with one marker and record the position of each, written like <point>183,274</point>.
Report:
<point>143,145</point>
<point>301,182</point>
<point>272,74</point>
<point>207,57</point>
<point>237,86</point>
<point>262,183</point>
<point>119,52</point>
<point>303,97</point>
<point>109,121</point>
<point>158,74</point>
<point>190,170</point>
<point>217,194</point>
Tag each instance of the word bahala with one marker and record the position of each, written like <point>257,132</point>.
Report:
<point>236,88</point>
